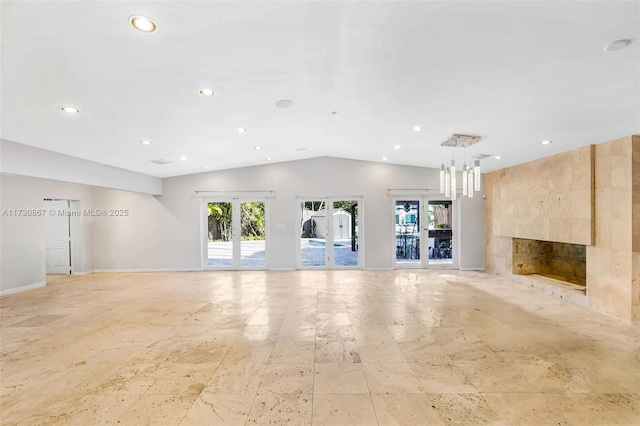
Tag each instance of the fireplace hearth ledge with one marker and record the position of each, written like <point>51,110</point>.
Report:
<point>572,293</point>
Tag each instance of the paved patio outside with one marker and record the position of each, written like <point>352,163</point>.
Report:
<point>220,254</point>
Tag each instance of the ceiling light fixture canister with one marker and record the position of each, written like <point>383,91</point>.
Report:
<point>206,92</point>
<point>617,45</point>
<point>143,24</point>
<point>69,109</point>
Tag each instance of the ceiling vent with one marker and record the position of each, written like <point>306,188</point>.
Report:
<point>161,161</point>
<point>481,156</point>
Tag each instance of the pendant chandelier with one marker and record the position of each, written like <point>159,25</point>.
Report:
<point>470,175</point>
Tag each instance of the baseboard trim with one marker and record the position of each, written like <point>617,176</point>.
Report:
<point>472,269</point>
<point>23,288</point>
<point>82,273</point>
<point>282,269</point>
<point>149,270</point>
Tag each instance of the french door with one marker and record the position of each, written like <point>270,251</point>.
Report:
<point>236,233</point>
<point>329,232</point>
<point>425,232</point>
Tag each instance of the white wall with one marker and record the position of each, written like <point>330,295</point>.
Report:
<point>160,233</point>
<point>22,237</point>
<point>164,232</point>
<point>471,228</point>
<point>24,160</point>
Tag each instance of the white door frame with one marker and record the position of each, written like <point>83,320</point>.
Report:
<point>329,261</point>
<point>58,218</point>
<point>424,232</point>
<point>236,233</point>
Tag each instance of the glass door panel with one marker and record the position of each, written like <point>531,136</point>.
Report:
<point>345,233</point>
<point>236,234</point>
<point>220,234</point>
<point>407,230</point>
<point>440,232</point>
<point>313,232</point>
<point>252,234</point>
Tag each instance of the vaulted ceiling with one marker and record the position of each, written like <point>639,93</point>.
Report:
<point>361,76</point>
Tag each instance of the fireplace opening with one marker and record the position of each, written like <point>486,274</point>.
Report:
<point>558,261</point>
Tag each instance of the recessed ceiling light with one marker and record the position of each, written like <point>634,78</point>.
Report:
<point>301,149</point>
<point>183,157</point>
<point>69,109</point>
<point>396,146</point>
<point>207,167</point>
<point>284,103</point>
<point>257,148</point>
<point>161,161</point>
<point>146,142</point>
<point>617,45</point>
<point>143,24</point>
<point>497,157</point>
<point>384,158</point>
<point>241,130</point>
<point>417,128</point>
<point>206,92</point>
<point>545,142</point>
<point>267,159</point>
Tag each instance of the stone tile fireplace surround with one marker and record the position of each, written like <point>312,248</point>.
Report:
<point>588,197</point>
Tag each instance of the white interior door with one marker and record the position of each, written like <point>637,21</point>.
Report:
<point>57,238</point>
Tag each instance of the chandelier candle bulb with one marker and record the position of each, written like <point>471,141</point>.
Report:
<point>453,186</point>
<point>453,179</point>
<point>476,172</point>
<point>447,183</point>
<point>465,172</point>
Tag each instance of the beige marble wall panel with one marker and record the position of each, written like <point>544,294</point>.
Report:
<point>609,263</point>
<point>561,230</point>
<point>635,244</point>
<point>621,170</point>
<point>561,205</point>
<point>635,199</point>
<point>609,292</point>
<point>582,229</point>
<point>635,285</point>
<point>635,256</point>
<point>603,217</point>
<point>621,237</point>
<point>621,202</point>
<point>602,166</point>
<point>581,176</point>
<point>498,258</point>
<point>558,190</point>
<point>581,204</point>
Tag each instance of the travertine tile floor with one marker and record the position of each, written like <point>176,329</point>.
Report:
<point>311,347</point>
